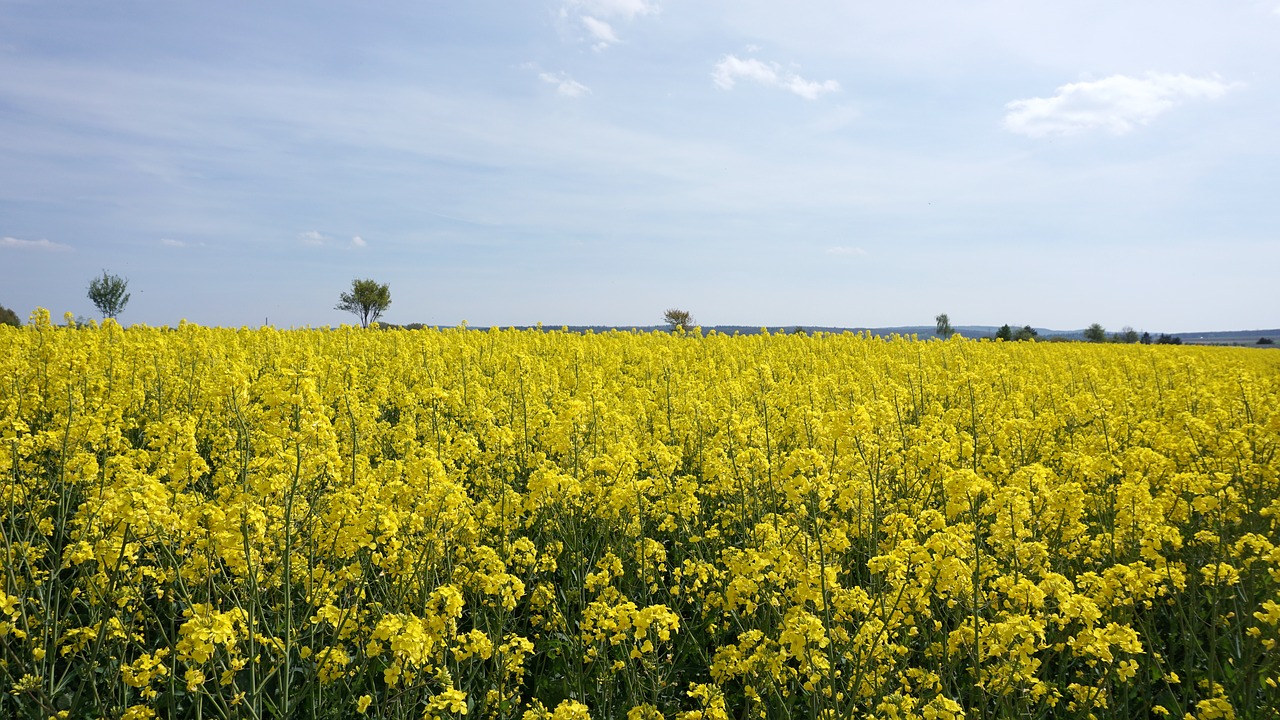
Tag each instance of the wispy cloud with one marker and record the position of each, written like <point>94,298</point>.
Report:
<point>314,238</point>
<point>45,245</point>
<point>170,242</point>
<point>597,16</point>
<point>601,31</point>
<point>1115,104</point>
<point>732,68</point>
<point>565,85</point>
<point>626,9</point>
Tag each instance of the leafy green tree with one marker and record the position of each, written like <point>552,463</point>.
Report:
<point>1026,332</point>
<point>944,326</point>
<point>1095,333</point>
<point>109,294</point>
<point>9,317</point>
<point>1126,335</point>
<point>678,319</point>
<point>1145,339</point>
<point>368,299</point>
<point>1004,333</point>
<point>1266,341</point>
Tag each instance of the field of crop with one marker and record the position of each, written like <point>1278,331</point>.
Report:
<point>436,524</point>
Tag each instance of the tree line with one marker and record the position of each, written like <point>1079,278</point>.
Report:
<point>368,300</point>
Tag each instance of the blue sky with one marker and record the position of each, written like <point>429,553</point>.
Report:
<point>598,161</point>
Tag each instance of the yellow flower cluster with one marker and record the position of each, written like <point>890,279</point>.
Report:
<point>547,525</point>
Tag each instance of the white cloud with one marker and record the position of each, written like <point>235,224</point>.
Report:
<point>170,242</point>
<point>601,30</point>
<point>596,14</point>
<point>626,9</point>
<point>731,68</point>
<point>810,90</point>
<point>313,238</point>
<point>358,242</point>
<point>11,242</point>
<point>1116,104</point>
<point>565,85</point>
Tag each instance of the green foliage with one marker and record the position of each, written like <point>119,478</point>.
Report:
<point>1266,341</point>
<point>9,317</point>
<point>368,299</point>
<point>944,326</point>
<point>1026,332</point>
<point>1095,333</point>
<point>1126,335</point>
<point>678,319</point>
<point>109,294</point>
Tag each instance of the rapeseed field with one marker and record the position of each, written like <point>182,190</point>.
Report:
<point>222,523</point>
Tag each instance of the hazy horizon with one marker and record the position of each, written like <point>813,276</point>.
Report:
<point>965,330</point>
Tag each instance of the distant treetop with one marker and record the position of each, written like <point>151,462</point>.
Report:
<point>9,317</point>
<point>678,319</point>
<point>109,294</point>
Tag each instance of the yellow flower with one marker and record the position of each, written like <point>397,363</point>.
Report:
<point>194,679</point>
<point>571,710</point>
<point>138,712</point>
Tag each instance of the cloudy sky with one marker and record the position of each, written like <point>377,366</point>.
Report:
<point>598,161</point>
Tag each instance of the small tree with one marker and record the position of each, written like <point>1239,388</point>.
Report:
<point>944,326</point>
<point>678,319</point>
<point>1261,340</point>
<point>9,317</point>
<point>1095,333</point>
<point>1145,339</point>
<point>1126,335</point>
<point>1004,333</point>
<point>1026,332</point>
<point>108,294</point>
<point>367,300</point>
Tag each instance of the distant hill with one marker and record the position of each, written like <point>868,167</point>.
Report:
<point>1230,337</point>
<point>924,332</point>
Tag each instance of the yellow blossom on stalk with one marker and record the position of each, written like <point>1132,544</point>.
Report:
<point>194,678</point>
<point>474,643</point>
<point>711,700</point>
<point>644,712</point>
<point>942,708</point>
<point>1220,574</point>
<point>451,701</point>
<point>8,604</point>
<point>333,662</point>
<point>148,667</point>
<point>571,710</point>
<point>138,712</point>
